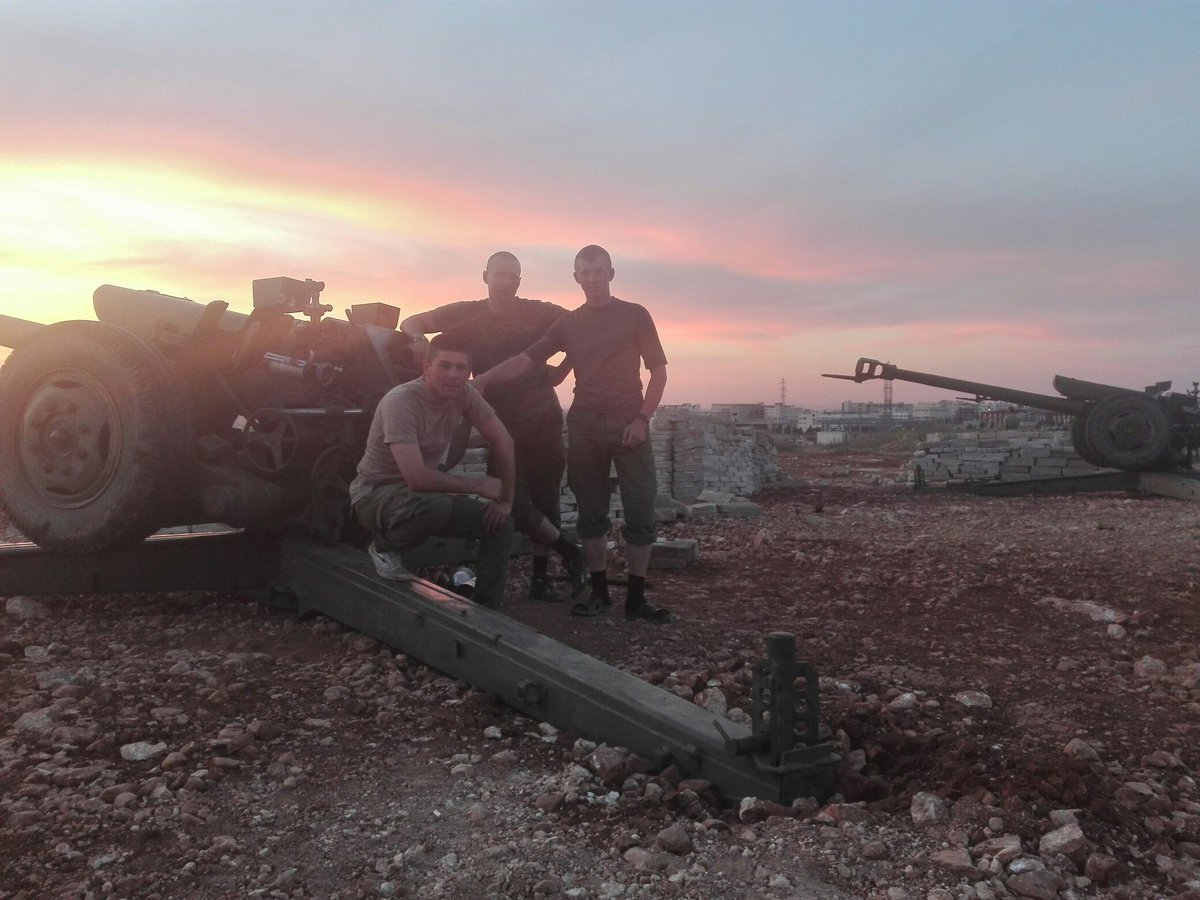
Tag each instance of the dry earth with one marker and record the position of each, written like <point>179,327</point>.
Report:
<point>1013,684</point>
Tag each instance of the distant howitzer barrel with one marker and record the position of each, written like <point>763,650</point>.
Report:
<point>14,332</point>
<point>871,369</point>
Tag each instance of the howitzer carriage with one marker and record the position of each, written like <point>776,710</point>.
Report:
<point>169,412</point>
<point>1112,426</point>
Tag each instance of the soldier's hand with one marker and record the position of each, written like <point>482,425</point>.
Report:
<point>495,514</point>
<point>490,487</point>
<point>420,351</point>
<point>634,434</point>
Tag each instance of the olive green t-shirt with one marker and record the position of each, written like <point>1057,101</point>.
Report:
<point>606,346</point>
<point>412,413</point>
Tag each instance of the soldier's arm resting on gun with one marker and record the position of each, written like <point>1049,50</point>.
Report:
<point>511,368</point>
<point>500,451</point>
<point>416,327</point>
<point>635,431</point>
<point>422,479</point>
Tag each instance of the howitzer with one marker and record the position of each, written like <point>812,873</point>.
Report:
<point>170,412</point>
<point>166,412</point>
<point>1112,426</point>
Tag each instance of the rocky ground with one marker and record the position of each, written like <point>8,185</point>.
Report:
<point>1013,684</point>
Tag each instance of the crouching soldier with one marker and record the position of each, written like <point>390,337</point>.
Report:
<point>401,496</point>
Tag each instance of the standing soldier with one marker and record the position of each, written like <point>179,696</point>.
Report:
<point>606,340</point>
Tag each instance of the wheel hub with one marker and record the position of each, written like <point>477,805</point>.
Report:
<point>70,439</point>
<point>1129,431</point>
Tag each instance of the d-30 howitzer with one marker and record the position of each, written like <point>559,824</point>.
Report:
<point>1112,426</point>
<point>169,412</point>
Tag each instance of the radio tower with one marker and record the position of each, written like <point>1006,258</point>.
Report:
<point>782,391</point>
<point>887,402</point>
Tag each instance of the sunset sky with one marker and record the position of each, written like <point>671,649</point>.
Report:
<point>996,191</point>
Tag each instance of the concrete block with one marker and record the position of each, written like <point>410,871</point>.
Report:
<point>673,554</point>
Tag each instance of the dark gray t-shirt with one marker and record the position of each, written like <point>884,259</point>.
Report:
<point>606,346</point>
<point>412,413</point>
<point>494,337</point>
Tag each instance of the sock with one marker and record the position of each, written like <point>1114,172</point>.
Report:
<point>600,583</point>
<point>565,548</point>
<point>636,595</point>
<point>539,566</point>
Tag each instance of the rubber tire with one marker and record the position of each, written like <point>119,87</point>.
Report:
<point>1080,443</point>
<point>1129,431</point>
<point>143,442</point>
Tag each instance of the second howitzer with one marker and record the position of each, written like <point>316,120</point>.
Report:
<point>1112,426</point>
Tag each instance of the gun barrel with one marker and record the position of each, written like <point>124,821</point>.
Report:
<point>868,369</point>
<point>14,332</point>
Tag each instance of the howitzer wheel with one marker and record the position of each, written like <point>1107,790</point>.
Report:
<point>1080,442</point>
<point>93,434</point>
<point>1129,431</point>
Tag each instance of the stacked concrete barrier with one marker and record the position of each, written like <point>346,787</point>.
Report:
<point>693,453</point>
<point>1008,456</point>
<point>711,453</point>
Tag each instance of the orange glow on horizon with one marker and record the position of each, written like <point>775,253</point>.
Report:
<point>169,218</point>
<point>374,196</point>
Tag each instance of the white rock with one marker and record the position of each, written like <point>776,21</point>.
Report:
<point>974,699</point>
<point>140,751</point>
<point>37,721</point>
<point>712,699</point>
<point>1081,750</point>
<point>928,809</point>
<point>1149,667</point>
<point>25,608</point>
<point>1065,840</point>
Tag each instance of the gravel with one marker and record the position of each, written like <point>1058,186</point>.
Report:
<point>1013,685</point>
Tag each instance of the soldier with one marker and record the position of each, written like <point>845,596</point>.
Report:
<point>401,496</point>
<point>496,328</point>
<point>606,339</point>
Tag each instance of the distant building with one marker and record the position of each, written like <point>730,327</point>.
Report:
<point>742,413</point>
<point>957,411</point>
<point>678,408</point>
<point>859,415</point>
<point>782,417</point>
<point>997,416</point>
